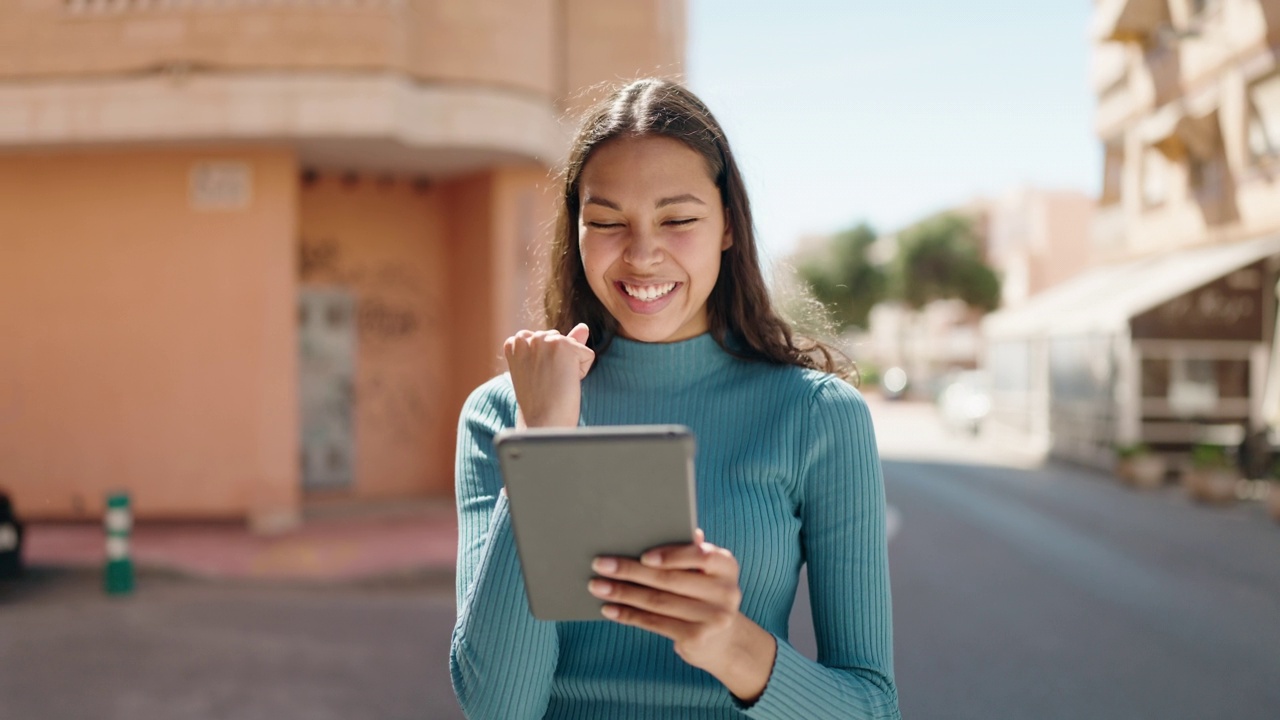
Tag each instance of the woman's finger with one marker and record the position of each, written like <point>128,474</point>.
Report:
<point>586,358</point>
<point>667,627</point>
<point>703,556</point>
<point>720,590</point>
<point>699,537</point>
<point>659,602</point>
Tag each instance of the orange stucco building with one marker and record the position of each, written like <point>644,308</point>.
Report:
<point>255,253</point>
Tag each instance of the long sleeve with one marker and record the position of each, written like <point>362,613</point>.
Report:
<point>501,659</point>
<point>843,541</point>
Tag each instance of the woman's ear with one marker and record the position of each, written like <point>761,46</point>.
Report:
<point>727,241</point>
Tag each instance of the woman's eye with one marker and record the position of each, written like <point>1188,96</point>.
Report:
<point>603,225</point>
<point>682,221</point>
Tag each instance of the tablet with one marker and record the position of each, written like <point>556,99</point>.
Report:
<point>578,493</point>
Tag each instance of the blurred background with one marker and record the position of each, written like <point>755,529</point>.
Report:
<point>254,254</point>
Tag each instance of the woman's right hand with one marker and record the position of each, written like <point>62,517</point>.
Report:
<point>547,369</point>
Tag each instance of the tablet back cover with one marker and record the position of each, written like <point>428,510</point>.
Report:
<point>578,493</point>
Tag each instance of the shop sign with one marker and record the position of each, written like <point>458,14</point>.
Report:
<point>1229,308</point>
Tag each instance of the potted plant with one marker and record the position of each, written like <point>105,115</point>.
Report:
<point>1137,465</point>
<point>1213,475</point>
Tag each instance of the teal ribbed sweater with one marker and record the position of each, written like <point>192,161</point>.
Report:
<point>787,473</point>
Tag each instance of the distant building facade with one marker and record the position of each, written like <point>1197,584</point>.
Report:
<point>1169,341</point>
<point>255,253</point>
<point>1038,238</point>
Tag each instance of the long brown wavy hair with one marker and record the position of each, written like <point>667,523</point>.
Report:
<point>739,304</point>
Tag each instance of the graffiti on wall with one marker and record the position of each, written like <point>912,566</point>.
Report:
<point>317,259</point>
<point>391,298</point>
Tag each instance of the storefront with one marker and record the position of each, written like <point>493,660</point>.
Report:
<point>1169,351</point>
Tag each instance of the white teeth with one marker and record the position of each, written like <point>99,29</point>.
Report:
<point>648,293</point>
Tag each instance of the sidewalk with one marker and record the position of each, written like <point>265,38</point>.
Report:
<point>351,543</point>
<point>913,430</point>
<point>335,546</point>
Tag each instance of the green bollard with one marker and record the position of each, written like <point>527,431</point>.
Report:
<point>118,575</point>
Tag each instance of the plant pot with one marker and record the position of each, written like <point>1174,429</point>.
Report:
<point>1124,470</point>
<point>1147,471</point>
<point>1211,485</point>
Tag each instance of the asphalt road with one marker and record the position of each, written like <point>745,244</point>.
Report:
<point>1019,592</point>
<point>190,650</point>
<point>1054,592</point>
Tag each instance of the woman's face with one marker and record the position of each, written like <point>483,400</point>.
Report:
<point>651,231</point>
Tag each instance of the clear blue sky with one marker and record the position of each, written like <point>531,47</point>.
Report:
<point>887,110</point>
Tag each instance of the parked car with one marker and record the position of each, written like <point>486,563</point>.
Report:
<point>10,539</point>
<point>965,400</point>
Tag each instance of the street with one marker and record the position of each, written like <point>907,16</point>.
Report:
<point>1058,593</point>
<point>193,650</point>
<point>1019,592</point>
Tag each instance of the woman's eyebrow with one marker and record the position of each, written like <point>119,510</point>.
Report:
<point>673,200</point>
<point>679,199</point>
<point>595,200</point>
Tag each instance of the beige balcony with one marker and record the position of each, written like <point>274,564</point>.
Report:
<point>381,85</point>
<point>1128,20</point>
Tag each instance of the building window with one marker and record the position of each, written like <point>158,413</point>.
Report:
<point>1193,387</point>
<point>1155,177</point>
<point>1264,118</point>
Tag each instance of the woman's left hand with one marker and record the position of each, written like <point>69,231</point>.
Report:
<point>690,594</point>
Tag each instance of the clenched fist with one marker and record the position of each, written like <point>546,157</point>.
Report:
<point>547,369</point>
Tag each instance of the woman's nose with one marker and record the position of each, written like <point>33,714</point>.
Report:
<point>643,249</point>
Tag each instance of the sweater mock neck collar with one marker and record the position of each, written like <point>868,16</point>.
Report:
<point>690,359</point>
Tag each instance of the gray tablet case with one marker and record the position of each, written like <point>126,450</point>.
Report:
<point>577,493</point>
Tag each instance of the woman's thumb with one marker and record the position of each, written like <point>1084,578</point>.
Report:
<point>580,332</point>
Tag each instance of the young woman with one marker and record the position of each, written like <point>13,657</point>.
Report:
<point>659,314</point>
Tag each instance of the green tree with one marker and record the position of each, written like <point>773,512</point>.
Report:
<point>941,258</point>
<point>844,279</point>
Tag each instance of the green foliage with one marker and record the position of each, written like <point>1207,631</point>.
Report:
<point>1131,450</point>
<point>1210,457</point>
<point>941,258</point>
<point>869,373</point>
<point>938,258</point>
<point>844,280</point>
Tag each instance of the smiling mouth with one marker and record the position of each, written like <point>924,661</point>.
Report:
<point>649,293</point>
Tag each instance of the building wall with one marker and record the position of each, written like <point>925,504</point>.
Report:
<point>1198,69</point>
<point>611,41</point>
<point>497,42</point>
<point>558,51</point>
<point>402,151</point>
<point>148,344</point>
<point>1039,238</point>
<point>500,279</point>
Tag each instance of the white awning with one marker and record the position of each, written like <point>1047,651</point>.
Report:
<point>1102,300</point>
